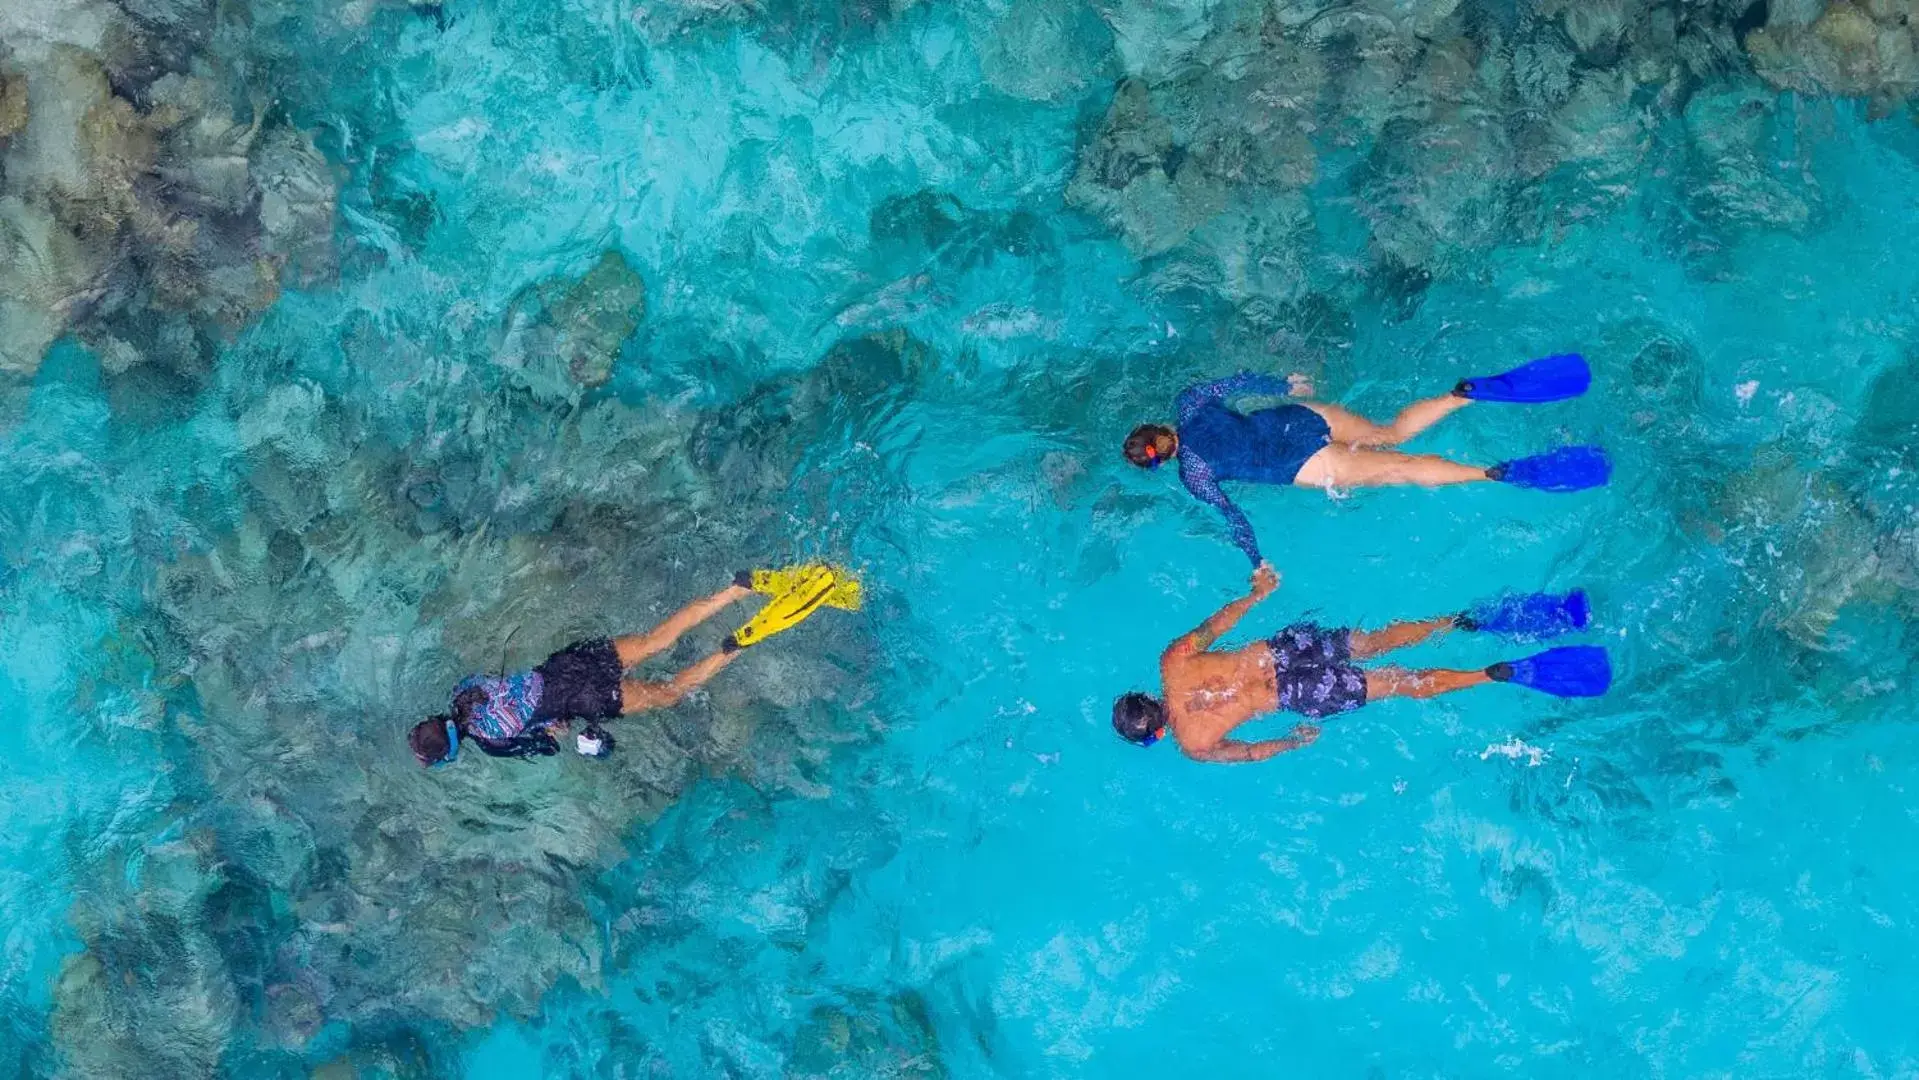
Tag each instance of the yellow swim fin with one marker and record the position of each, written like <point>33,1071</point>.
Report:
<point>806,590</point>
<point>776,583</point>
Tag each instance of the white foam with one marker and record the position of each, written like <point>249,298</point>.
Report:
<point>1513,749</point>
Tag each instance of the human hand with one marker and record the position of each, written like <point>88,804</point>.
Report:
<point>1302,386</point>
<point>1305,734</point>
<point>559,729</point>
<point>1265,580</point>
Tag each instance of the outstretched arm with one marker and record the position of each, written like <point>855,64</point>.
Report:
<point>527,744</point>
<point>637,647</point>
<point>1243,384</point>
<point>1221,622</point>
<point>1199,479</point>
<point>1234,752</point>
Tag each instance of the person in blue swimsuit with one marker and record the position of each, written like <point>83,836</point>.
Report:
<point>1304,443</point>
<point>525,714</point>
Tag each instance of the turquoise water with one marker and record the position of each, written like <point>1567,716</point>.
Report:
<point>891,316</point>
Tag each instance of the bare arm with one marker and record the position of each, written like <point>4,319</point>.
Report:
<point>1221,622</point>
<point>1234,752</point>
<point>637,647</point>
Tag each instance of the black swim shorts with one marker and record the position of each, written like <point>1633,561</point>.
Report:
<point>1314,670</point>
<point>582,683</point>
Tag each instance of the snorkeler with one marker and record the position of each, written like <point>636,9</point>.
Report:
<point>520,715</point>
<point>1312,444</point>
<point>1309,670</point>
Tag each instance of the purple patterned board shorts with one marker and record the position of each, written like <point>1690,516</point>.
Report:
<point>1313,667</point>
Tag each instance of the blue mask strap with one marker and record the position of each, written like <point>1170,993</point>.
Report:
<point>452,746</point>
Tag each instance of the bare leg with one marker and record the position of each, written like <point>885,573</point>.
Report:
<point>1386,682</point>
<point>1355,430</point>
<point>636,647</point>
<point>1366,644</point>
<point>638,696</point>
<point>1347,467</point>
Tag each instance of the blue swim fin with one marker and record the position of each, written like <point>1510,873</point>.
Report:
<point>1530,616</point>
<point>1568,671</point>
<point>1550,378</point>
<point>1569,468</point>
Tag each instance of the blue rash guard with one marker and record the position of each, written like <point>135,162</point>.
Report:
<point>1266,447</point>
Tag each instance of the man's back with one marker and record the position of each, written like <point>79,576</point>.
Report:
<point>1208,694</point>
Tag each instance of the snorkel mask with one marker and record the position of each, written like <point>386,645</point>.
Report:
<point>1153,461</point>
<point>1158,734</point>
<point>452,747</point>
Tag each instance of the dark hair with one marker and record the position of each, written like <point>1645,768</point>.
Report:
<point>428,739</point>
<point>470,701</point>
<point>1142,437</point>
<point>1138,717</point>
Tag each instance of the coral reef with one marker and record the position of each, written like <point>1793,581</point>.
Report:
<point>868,1037</point>
<point>330,879</point>
<point>563,336</point>
<point>399,505</point>
<point>141,212</point>
<point>1226,140</point>
<point>1826,547</point>
<point>1868,50</point>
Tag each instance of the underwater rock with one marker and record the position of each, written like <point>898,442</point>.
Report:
<point>47,156</point>
<point>174,17</point>
<point>1738,181</point>
<point>151,995</point>
<point>1260,254</point>
<point>13,103</point>
<point>1599,139</point>
<point>1137,178</point>
<point>1542,73</point>
<point>1803,544</point>
<point>45,270</point>
<point>298,202</point>
<point>662,22</point>
<point>1595,27</point>
<point>179,215</point>
<point>1153,37</point>
<point>1868,50</point>
<point>868,1036</point>
<point>931,229</point>
<point>563,336</point>
<point>1881,465</point>
<point>1033,50</point>
<point>1667,373</point>
<point>207,146</point>
<point>1437,189</point>
<point>361,889</point>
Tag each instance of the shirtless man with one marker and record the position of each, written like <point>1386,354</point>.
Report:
<point>1305,669</point>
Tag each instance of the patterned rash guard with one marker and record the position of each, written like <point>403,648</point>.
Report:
<point>1216,443</point>
<point>503,724</point>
